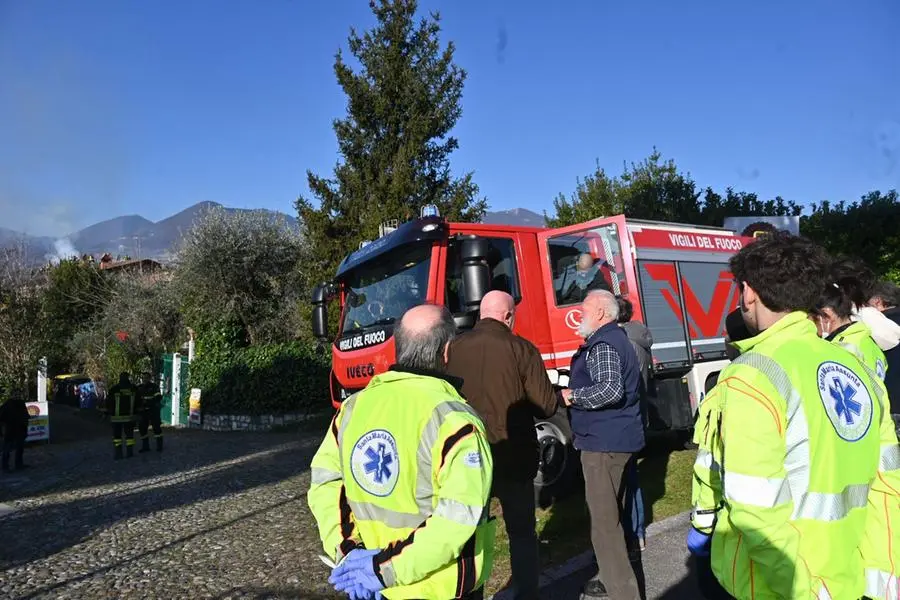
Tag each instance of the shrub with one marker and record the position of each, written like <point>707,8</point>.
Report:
<point>267,379</point>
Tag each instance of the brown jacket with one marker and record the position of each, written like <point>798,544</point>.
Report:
<point>505,381</point>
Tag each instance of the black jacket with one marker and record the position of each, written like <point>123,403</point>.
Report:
<point>14,418</point>
<point>892,356</point>
<point>149,398</point>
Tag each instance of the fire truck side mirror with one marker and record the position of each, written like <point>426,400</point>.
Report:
<point>476,274</point>
<point>320,311</point>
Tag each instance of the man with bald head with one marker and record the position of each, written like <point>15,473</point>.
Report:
<point>401,484</point>
<point>505,381</point>
<point>605,412</point>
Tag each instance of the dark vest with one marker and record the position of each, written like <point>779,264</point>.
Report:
<point>617,427</point>
<point>892,356</point>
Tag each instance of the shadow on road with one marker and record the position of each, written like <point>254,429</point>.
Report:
<point>160,548</point>
<point>273,593</point>
<point>80,454</point>
<point>61,525</point>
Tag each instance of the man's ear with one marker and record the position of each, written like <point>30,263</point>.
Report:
<point>447,352</point>
<point>750,297</point>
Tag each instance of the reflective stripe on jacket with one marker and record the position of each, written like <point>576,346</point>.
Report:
<point>789,448</point>
<point>121,403</point>
<point>406,467</point>
<point>880,547</point>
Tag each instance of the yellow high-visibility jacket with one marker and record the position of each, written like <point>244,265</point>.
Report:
<point>789,448</point>
<point>406,467</point>
<point>857,338</point>
<point>880,547</point>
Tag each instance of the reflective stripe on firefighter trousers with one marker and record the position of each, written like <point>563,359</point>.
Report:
<point>771,492</point>
<point>446,508</point>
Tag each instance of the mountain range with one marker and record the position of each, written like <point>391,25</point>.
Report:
<point>138,237</point>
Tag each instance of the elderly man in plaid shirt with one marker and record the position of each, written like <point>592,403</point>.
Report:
<point>605,411</point>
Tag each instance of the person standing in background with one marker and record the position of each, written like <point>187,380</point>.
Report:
<point>886,298</point>
<point>120,408</point>
<point>151,405</point>
<point>605,412</point>
<point>14,419</point>
<point>505,381</point>
<point>642,341</point>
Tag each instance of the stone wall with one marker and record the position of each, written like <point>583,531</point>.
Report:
<point>257,423</point>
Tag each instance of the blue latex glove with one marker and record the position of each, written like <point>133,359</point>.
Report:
<point>698,543</point>
<point>355,575</point>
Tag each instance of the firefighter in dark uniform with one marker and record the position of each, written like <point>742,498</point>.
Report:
<point>150,406</point>
<point>121,402</point>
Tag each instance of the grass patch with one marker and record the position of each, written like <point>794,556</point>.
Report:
<point>564,528</point>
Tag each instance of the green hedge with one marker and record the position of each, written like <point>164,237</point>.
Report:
<point>269,379</point>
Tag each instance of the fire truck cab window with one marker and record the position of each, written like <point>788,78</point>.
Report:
<point>504,276</point>
<point>380,291</point>
<point>584,261</point>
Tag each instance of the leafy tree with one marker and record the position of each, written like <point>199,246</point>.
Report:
<point>237,277</point>
<point>395,141</point>
<point>140,322</point>
<point>651,189</point>
<point>655,189</point>
<point>742,204</point>
<point>23,334</point>
<point>76,292</point>
<point>596,195</point>
<point>868,229</point>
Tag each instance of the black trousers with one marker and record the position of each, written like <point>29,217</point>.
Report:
<point>707,582</point>
<point>123,433</point>
<point>150,418</point>
<point>13,445</point>
<point>517,501</point>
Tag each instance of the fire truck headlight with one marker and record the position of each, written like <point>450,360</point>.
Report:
<point>563,381</point>
<point>553,375</point>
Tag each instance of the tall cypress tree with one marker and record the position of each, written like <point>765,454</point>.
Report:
<point>395,143</point>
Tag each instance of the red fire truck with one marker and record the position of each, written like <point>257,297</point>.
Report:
<point>675,275</point>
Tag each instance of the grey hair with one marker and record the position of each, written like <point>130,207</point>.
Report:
<point>424,349</point>
<point>608,301</point>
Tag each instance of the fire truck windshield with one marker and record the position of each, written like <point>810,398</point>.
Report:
<point>379,291</point>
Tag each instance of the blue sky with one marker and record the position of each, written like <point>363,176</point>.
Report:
<point>112,107</point>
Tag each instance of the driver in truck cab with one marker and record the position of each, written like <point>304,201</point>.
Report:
<point>579,278</point>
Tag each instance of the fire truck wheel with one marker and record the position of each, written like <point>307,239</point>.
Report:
<point>558,462</point>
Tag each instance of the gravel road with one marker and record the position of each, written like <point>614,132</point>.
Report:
<point>216,515</point>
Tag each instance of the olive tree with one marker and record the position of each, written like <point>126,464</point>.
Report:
<point>238,277</point>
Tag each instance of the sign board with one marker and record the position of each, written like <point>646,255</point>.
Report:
<point>748,226</point>
<point>39,421</point>
<point>194,418</point>
<point>683,240</point>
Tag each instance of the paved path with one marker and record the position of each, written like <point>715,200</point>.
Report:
<point>216,515</point>
<point>664,568</point>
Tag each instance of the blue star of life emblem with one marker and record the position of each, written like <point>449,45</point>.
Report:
<point>375,462</point>
<point>379,463</point>
<point>847,401</point>
<point>844,404</point>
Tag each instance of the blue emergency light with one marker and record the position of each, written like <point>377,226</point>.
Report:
<point>429,210</point>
